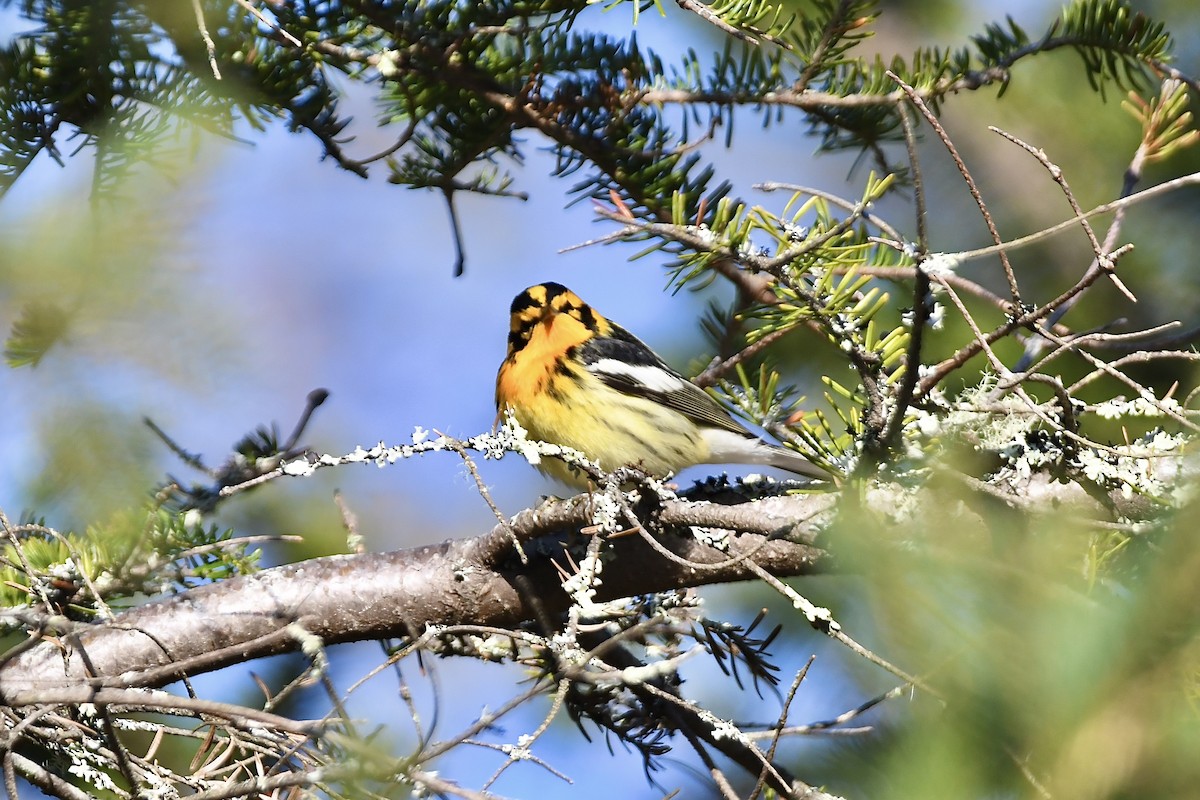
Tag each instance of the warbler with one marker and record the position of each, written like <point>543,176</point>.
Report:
<point>572,377</point>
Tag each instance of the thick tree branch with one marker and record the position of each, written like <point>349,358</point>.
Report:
<point>370,596</point>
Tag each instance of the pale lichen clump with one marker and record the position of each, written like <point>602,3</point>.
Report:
<point>581,586</point>
<point>1005,424</point>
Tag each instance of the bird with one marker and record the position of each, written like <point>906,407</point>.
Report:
<point>574,378</point>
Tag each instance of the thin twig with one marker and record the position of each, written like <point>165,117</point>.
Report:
<point>937,373</point>
<point>922,299</point>
<point>780,724</point>
<point>823,621</point>
<point>209,44</point>
<point>1013,382</point>
<point>1098,249</point>
<point>527,740</point>
<point>976,195</point>
<point>708,15</point>
<point>32,576</point>
<point>719,368</point>
<point>1150,193</point>
<point>270,23</point>
<point>486,494</point>
<point>832,199</point>
<point>827,726</point>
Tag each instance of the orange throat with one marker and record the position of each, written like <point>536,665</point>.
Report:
<point>525,372</point>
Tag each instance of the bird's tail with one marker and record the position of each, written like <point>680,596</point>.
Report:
<point>794,462</point>
<point>742,447</point>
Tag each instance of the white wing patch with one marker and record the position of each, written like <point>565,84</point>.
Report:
<point>655,379</point>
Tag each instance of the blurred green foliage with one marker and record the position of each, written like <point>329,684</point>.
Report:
<point>1088,687</point>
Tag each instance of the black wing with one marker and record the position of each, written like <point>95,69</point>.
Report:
<point>625,363</point>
